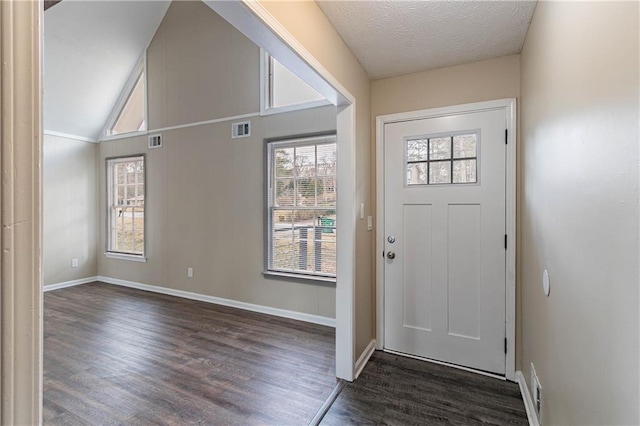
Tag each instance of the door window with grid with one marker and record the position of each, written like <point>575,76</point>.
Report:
<point>301,222</point>
<point>125,205</point>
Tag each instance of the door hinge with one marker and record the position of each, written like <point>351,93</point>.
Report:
<point>506,136</point>
<point>505,345</point>
<point>505,241</point>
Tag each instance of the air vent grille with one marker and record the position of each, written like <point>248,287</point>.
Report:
<point>155,141</point>
<point>241,130</point>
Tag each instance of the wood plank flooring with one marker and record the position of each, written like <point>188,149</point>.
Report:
<point>395,390</point>
<point>114,355</point>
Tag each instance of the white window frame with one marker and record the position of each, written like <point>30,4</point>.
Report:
<point>266,82</point>
<point>292,141</point>
<point>140,68</point>
<point>109,163</point>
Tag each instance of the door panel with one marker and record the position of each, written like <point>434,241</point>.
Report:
<point>417,266</point>
<point>445,288</point>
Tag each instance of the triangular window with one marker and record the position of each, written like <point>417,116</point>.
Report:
<point>285,91</point>
<point>131,114</point>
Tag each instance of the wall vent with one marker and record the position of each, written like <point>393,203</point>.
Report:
<point>241,130</point>
<point>536,393</point>
<point>155,141</point>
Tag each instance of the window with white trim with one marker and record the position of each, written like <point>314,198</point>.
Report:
<point>301,211</point>
<point>125,205</point>
<point>284,90</point>
<point>129,115</point>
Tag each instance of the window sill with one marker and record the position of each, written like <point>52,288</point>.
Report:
<point>129,257</point>
<point>299,277</point>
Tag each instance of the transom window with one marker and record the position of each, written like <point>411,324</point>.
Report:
<point>125,205</point>
<point>284,90</point>
<point>301,231</point>
<point>129,113</point>
<point>450,159</point>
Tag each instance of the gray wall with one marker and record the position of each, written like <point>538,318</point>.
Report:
<point>70,209</point>
<point>205,191</point>
<point>580,210</point>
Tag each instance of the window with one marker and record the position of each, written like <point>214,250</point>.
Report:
<point>301,223</point>
<point>129,114</point>
<point>450,159</point>
<point>125,206</point>
<point>285,91</point>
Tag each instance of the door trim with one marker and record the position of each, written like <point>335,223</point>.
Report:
<point>509,106</point>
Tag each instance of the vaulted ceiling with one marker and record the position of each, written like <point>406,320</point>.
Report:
<point>391,37</point>
<point>90,49</point>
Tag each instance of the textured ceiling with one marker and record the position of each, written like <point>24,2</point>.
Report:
<point>392,38</point>
<point>90,49</point>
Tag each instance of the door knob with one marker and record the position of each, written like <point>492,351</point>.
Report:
<point>391,255</point>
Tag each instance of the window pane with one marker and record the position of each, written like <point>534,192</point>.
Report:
<point>440,172</point>
<point>326,157</point>
<point>283,162</point>
<point>464,146</point>
<point>464,171</point>
<point>286,88</point>
<point>417,150</point>
<point>306,191</point>
<point>284,195</point>
<point>439,148</point>
<point>417,174</point>
<point>326,191</point>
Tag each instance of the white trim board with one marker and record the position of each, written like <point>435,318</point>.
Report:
<point>526,398</point>
<point>283,313</point>
<point>68,136</point>
<point>71,283</point>
<point>365,356</point>
<point>509,105</point>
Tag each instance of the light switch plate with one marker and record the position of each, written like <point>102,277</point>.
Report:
<point>369,223</point>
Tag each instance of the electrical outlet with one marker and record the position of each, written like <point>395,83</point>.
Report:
<point>74,263</point>
<point>190,272</point>
<point>536,392</point>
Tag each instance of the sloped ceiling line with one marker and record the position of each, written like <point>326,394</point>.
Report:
<point>90,50</point>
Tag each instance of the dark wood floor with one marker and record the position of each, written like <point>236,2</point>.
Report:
<point>395,390</point>
<point>114,355</point>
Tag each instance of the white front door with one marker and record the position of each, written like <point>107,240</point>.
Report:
<point>444,225</point>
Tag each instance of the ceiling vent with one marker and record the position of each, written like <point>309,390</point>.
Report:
<point>241,130</point>
<point>155,141</point>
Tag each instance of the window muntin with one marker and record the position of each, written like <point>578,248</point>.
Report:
<point>301,222</point>
<point>125,205</point>
<point>450,159</point>
<point>284,90</point>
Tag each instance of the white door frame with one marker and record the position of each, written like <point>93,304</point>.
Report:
<point>254,21</point>
<point>509,106</point>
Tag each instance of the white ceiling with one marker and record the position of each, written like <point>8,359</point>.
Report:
<point>392,37</point>
<point>90,49</point>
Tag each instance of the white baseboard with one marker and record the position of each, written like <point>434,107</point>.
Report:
<point>526,397</point>
<point>300,316</point>
<point>66,284</point>
<point>364,357</point>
